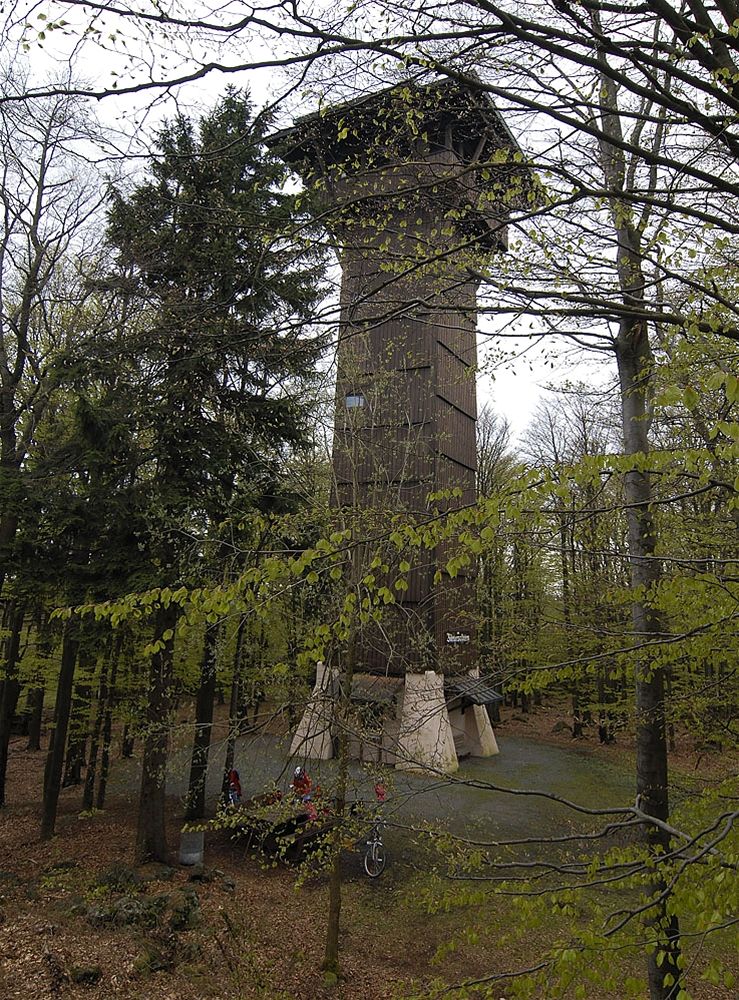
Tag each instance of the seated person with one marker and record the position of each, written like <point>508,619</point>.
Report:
<point>303,789</point>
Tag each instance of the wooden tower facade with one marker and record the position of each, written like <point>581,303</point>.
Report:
<point>414,185</point>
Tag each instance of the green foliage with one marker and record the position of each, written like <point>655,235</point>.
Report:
<point>222,358</point>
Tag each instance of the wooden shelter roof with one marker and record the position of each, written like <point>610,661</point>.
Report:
<point>456,126</point>
<point>472,689</point>
<point>385,690</point>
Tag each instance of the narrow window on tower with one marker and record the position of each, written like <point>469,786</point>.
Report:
<point>354,400</point>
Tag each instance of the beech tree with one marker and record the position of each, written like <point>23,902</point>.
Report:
<point>48,196</point>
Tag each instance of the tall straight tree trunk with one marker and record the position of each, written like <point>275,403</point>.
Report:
<point>333,923</point>
<point>195,808</point>
<point>151,835</point>
<point>127,741</point>
<point>88,794</point>
<point>35,717</point>
<point>79,723</point>
<point>342,709</point>
<point>635,369</point>
<point>233,711</point>
<point>108,724</point>
<point>634,362</point>
<point>10,691</point>
<point>565,531</point>
<point>62,709</point>
<point>37,685</point>
<point>8,524</point>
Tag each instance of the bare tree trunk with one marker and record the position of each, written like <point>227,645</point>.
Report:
<point>671,725</point>
<point>10,691</point>
<point>108,724</point>
<point>151,836</point>
<point>9,473</point>
<point>635,368</point>
<point>35,717</point>
<point>333,925</point>
<point>651,749</point>
<point>37,684</point>
<point>88,794</point>
<point>233,711</point>
<point>57,743</point>
<point>195,808</point>
<point>564,557</point>
<point>79,723</point>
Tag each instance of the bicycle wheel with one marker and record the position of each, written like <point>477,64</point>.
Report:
<point>375,859</point>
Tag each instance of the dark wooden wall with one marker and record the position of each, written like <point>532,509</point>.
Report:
<point>408,346</point>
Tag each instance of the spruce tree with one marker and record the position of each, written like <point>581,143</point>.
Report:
<point>214,248</point>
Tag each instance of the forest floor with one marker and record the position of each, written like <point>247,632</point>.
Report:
<point>243,928</point>
<point>546,724</point>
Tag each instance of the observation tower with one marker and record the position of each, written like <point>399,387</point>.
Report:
<point>414,185</point>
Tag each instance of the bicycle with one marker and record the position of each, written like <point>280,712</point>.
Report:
<point>375,856</point>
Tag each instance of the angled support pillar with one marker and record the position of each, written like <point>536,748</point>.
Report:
<point>478,729</point>
<point>425,741</point>
<point>313,737</point>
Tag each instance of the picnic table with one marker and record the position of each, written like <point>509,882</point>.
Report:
<point>282,825</point>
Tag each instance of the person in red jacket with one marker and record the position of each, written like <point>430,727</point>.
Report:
<point>309,795</point>
<point>234,787</point>
<point>302,784</point>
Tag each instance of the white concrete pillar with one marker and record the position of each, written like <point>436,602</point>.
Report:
<point>478,729</point>
<point>312,738</point>
<point>425,739</point>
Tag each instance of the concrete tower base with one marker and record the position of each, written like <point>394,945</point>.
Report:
<point>313,737</point>
<point>422,738</point>
<point>425,740</point>
<point>478,729</point>
<point>479,732</point>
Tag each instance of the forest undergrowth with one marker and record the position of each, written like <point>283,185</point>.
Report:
<point>77,920</point>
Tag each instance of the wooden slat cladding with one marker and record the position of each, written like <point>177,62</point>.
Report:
<point>455,381</point>
<point>455,434</point>
<point>394,345</point>
<point>406,363</point>
<point>453,615</point>
<point>383,496</point>
<point>385,454</point>
<point>413,434</point>
<point>404,496</point>
<point>405,642</point>
<point>390,398</point>
<point>450,474</point>
<point>455,322</point>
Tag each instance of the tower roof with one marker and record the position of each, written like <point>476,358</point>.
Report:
<point>437,112</point>
<point>445,121</point>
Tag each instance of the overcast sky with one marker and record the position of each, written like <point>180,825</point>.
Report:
<point>513,374</point>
